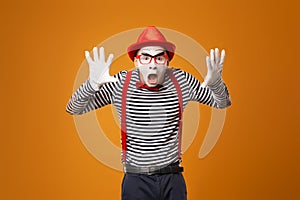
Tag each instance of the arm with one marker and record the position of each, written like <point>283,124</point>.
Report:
<point>93,94</point>
<point>220,94</point>
<point>212,91</point>
<point>86,99</point>
<point>215,95</point>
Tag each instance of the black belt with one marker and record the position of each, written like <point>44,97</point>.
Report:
<point>173,168</point>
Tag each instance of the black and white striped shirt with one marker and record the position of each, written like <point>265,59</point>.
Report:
<point>151,116</point>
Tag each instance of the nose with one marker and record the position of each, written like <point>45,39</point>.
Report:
<point>152,67</point>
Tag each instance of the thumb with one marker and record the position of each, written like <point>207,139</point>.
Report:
<point>109,59</point>
<point>204,84</point>
<point>88,57</point>
<point>111,79</point>
<point>208,63</point>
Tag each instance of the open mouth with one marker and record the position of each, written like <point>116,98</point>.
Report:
<point>152,79</point>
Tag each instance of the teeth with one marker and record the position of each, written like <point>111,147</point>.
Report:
<point>152,78</point>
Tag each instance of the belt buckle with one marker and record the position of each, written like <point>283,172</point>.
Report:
<point>151,170</point>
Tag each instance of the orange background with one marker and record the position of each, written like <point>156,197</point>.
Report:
<point>42,45</point>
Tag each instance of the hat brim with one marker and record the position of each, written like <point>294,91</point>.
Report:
<point>132,49</point>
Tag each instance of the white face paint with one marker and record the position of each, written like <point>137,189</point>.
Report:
<point>151,74</point>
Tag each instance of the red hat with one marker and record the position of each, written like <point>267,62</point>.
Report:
<point>151,36</point>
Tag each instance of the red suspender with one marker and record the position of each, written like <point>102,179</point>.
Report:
<point>123,112</point>
<point>180,109</point>
<point>123,115</point>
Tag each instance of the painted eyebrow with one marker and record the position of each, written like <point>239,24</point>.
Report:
<point>159,54</point>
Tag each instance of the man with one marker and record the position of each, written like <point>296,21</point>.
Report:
<point>150,100</point>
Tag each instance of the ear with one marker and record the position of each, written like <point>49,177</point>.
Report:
<point>135,62</point>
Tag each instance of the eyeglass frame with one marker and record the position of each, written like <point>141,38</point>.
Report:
<point>165,55</point>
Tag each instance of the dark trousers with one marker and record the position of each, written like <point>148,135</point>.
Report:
<point>154,187</point>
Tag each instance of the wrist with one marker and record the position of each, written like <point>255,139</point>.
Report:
<point>216,83</point>
<point>94,85</point>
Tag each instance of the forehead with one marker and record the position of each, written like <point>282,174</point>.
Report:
<point>152,49</point>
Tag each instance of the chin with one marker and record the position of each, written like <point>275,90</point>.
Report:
<point>152,85</point>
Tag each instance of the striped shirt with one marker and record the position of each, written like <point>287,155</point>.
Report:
<point>151,116</point>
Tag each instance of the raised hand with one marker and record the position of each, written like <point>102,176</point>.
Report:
<point>214,64</point>
<point>99,68</point>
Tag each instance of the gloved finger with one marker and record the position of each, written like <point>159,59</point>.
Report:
<point>88,57</point>
<point>208,63</point>
<point>95,52</point>
<point>222,57</point>
<point>109,59</point>
<point>217,55</point>
<point>212,57</point>
<point>102,54</point>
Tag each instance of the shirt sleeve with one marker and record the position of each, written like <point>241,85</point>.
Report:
<point>86,99</point>
<point>215,95</point>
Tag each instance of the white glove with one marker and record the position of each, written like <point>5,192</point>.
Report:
<point>99,69</point>
<point>214,67</point>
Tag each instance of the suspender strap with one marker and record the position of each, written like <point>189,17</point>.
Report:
<point>180,109</point>
<point>123,112</point>
<point>123,115</point>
